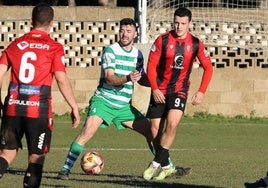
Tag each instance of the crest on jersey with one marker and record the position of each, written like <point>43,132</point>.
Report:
<point>178,62</point>
<point>22,45</point>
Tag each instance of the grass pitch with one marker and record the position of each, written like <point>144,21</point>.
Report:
<point>223,152</point>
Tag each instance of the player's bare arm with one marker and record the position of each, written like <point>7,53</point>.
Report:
<point>206,78</point>
<point>112,79</point>
<point>66,90</point>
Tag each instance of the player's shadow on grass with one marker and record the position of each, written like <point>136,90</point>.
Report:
<point>125,180</point>
<point>113,179</point>
<point>15,171</point>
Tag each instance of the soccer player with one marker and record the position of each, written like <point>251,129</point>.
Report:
<point>169,67</point>
<point>33,59</point>
<point>261,183</point>
<point>122,66</point>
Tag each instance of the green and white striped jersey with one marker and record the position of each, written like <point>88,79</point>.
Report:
<point>123,62</point>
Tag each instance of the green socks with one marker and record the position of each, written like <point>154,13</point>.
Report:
<point>74,152</point>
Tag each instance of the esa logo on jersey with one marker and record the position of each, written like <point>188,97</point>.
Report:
<point>22,45</point>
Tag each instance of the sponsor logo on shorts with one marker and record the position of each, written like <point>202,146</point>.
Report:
<point>41,140</point>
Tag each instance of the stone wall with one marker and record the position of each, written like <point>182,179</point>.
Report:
<point>84,31</point>
<point>239,85</point>
<point>230,93</point>
<point>233,90</point>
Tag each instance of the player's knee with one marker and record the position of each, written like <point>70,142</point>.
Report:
<point>171,128</point>
<point>154,130</point>
<point>33,176</point>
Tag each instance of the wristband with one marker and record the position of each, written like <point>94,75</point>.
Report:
<point>128,78</point>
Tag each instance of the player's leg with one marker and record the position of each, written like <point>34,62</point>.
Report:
<point>10,141</point>
<point>77,146</point>
<point>74,151</point>
<point>38,133</point>
<point>175,106</point>
<point>132,118</point>
<point>33,174</point>
<point>161,158</point>
<point>166,141</point>
<point>157,129</point>
<point>6,158</point>
<point>97,110</point>
<point>156,113</point>
<point>143,127</point>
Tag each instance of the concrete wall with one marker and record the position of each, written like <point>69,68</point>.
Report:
<point>239,85</point>
<point>231,92</point>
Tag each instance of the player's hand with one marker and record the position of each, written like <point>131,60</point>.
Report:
<point>197,98</point>
<point>159,97</point>
<point>135,76</point>
<point>75,116</point>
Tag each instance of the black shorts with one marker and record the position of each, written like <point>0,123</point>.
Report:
<point>37,133</point>
<point>159,110</point>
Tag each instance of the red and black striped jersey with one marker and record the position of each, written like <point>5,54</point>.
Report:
<point>32,58</point>
<point>171,60</point>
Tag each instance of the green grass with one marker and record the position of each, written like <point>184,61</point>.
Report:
<point>223,152</point>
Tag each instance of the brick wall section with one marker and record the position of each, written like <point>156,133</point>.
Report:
<point>236,89</point>
<point>231,92</point>
<point>234,92</point>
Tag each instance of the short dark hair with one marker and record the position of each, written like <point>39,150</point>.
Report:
<point>128,21</point>
<point>42,15</point>
<point>182,12</point>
